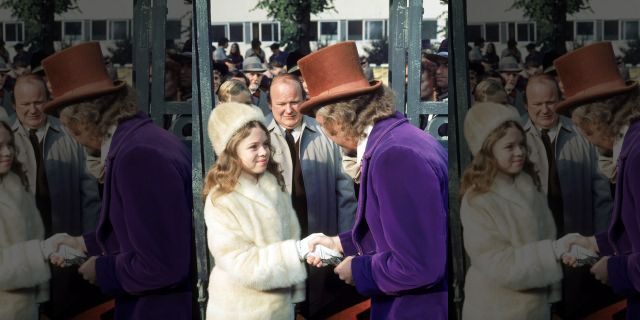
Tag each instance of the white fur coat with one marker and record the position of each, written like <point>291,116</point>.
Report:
<point>252,233</point>
<point>508,235</point>
<point>23,270</point>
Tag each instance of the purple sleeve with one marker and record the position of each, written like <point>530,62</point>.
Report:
<point>348,247</point>
<point>156,222</point>
<point>605,248</point>
<point>92,244</point>
<point>624,269</point>
<point>413,214</point>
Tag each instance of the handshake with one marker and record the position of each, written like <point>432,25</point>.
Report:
<point>59,249</point>
<point>575,250</point>
<point>329,257</point>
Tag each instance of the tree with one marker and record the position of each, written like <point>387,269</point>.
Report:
<point>379,52</point>
<point>295,19</point>
<point>551,18</point>
<point>632,53</point>
<point>38,17</point>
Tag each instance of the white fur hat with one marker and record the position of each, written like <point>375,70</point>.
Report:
<point>226,119</point>
<point>483,118</point>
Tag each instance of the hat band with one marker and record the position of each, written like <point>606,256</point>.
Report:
<point>604,86</point>
<point>358,84</point>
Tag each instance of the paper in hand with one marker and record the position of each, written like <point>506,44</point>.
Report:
<point>584,256</point>
<point>70,255</point>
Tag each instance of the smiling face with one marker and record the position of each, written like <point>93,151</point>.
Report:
<point>254,151</point>
<point>509,152</point>
<point>30,96</point>
<point>542,96</point>
<point>7,150</point>
<point>286,96</point>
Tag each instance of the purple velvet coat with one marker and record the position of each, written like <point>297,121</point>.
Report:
<point>622,241</point>
<point>143,237</point>
<point>400,232</point>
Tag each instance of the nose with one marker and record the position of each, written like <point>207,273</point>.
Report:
<point>518,150</point>
<point>6,151</point>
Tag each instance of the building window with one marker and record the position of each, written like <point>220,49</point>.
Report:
<point>569,31</point>
<point>313,31</point>
<point>611,30</point>
<point>474,31</point>
<point>218,32</point>
<point>119,30</point>
<point>270,32</point>
<point>492,32</point>
<point>631,30</point>
<point>13,32</point>
<point>429,29</point>
<point>72,30</point>
<point>236,32</point>
<point>328,31</point>
<point>173,30</point>
<point>585,30</point>
<point>526,32</point>
<point>99,30</point>
<point>354,30</point>
<point>375,30</point>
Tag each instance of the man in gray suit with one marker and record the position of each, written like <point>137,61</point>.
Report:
<point>321,193</point>
<point>66,194</point>
<point>577,193</point>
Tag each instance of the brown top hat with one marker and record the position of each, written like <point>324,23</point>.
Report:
<point>77,74</point>
<point>588,74</point>
<point>333,73</point>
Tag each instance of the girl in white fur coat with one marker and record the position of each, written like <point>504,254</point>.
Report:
<point>252,228</point>
<point>24,270</point>
<point>509,232</point>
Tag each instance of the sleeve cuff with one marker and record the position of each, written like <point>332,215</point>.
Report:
<point>92,244</point>
<point>106,276</point>
<point>363,276</point>
<point>346,241</point>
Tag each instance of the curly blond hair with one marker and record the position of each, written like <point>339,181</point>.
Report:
<point>608,116</point>
<point>354,115</point>
<point>97,115</point>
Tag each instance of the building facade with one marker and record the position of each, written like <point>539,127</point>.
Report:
<point>362,21</point>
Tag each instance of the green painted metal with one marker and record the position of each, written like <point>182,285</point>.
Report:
<point>459,156</point>
<point>202,152</point>
<point>141,47</point>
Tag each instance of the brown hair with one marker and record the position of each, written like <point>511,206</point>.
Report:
<point>480,174</point>
<point>224,174</point>
<point>99,114</point>
<point>354,115</point>
<point>609,115</point>
<point>16,166</point>
<point>490,90</point>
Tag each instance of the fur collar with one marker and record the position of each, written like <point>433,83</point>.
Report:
<point>11,189</point>
<point>520,190</point>
<point>264,191</point>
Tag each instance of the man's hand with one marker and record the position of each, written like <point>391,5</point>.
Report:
<point>343,270</point>
<point>88,270</point>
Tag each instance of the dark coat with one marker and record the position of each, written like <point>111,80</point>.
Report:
<point>400,231</point>
<point>143,238</point>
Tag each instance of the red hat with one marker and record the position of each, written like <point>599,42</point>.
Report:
<point>588,74</point>
<point>76,74</point>
<point>334,73</point>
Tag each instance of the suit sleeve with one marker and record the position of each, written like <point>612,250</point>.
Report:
<point>90,195</point>
<point>345,194</point>
<point>414,221</point>
<point>532,265</point>
<point>156,202</point>
<point>602,203</point>
<point>258,267</point>
<point>624,270</point>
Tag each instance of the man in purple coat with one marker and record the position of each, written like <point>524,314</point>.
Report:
<point>606,109</point>
<point>140,252</point>
<point>396,251</point>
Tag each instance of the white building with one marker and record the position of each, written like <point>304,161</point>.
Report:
<point>96,20</point>
<point>362,21</point>
<point>617,21</point>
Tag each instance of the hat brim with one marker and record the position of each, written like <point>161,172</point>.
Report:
<point>566,107</point>
<point>436,58</point>
<point>316,102</point>
<point>81,94</point>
